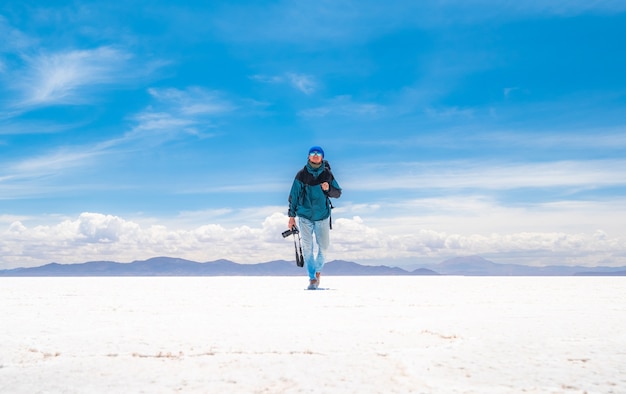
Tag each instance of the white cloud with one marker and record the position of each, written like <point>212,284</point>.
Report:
<point>63,77</point>
<point>193,101</point>
<point>9,219</point>
<point>303,83</point>
<point>384,240</point>
<point>94,236</point>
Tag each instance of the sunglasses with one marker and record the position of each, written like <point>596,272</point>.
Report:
<point>315,154</point>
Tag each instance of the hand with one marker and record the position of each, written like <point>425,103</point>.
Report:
<point>292,223</point>
<point>325,186</point>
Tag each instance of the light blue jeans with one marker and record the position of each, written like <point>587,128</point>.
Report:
<point>321,230</point>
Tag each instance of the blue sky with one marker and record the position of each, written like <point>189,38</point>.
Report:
<point>454,127</point>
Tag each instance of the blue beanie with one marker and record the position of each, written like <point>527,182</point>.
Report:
<point>316,149</point>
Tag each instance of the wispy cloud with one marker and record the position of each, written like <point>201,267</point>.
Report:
<point>65,77</point>
<point>304,83</point>
<point>271,79</point>
<point>13,39</point>
<point>588,139</point>
<point>493,176</point>
<point>558,8</point>
<point>194,101</point>
<point>344,106</point>
<point>302,22</point>
<point>339,22</point>
<point>601,142</point>
<point>174,114</point>
<point>11,124</point>
<point>177,112</point>
<point>481,214</point>
<point>35,175</point>
<point>449,112</point>
<point>54,162</point>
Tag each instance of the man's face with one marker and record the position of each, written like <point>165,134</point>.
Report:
<point>315,157</point>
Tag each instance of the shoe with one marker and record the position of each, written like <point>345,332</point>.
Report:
<point>317,276</point>
<point>313,283</point>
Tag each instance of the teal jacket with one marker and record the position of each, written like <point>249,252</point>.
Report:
<point>307,199</point>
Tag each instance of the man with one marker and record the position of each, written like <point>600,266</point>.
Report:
<point>309,201</point>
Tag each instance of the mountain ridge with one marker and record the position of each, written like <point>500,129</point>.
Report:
<point>171,266</point>
<point>479,266</point>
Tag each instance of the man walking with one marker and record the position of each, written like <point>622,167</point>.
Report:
<point>309,200</point>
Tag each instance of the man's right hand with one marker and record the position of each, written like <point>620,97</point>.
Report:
<point>292,223</point>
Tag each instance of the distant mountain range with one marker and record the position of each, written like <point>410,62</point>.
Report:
<point>168,266</point>
<point>478,266</point>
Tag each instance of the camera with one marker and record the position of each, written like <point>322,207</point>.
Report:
<point>290,232</point>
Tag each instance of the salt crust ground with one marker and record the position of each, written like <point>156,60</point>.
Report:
<point>269,335</point>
